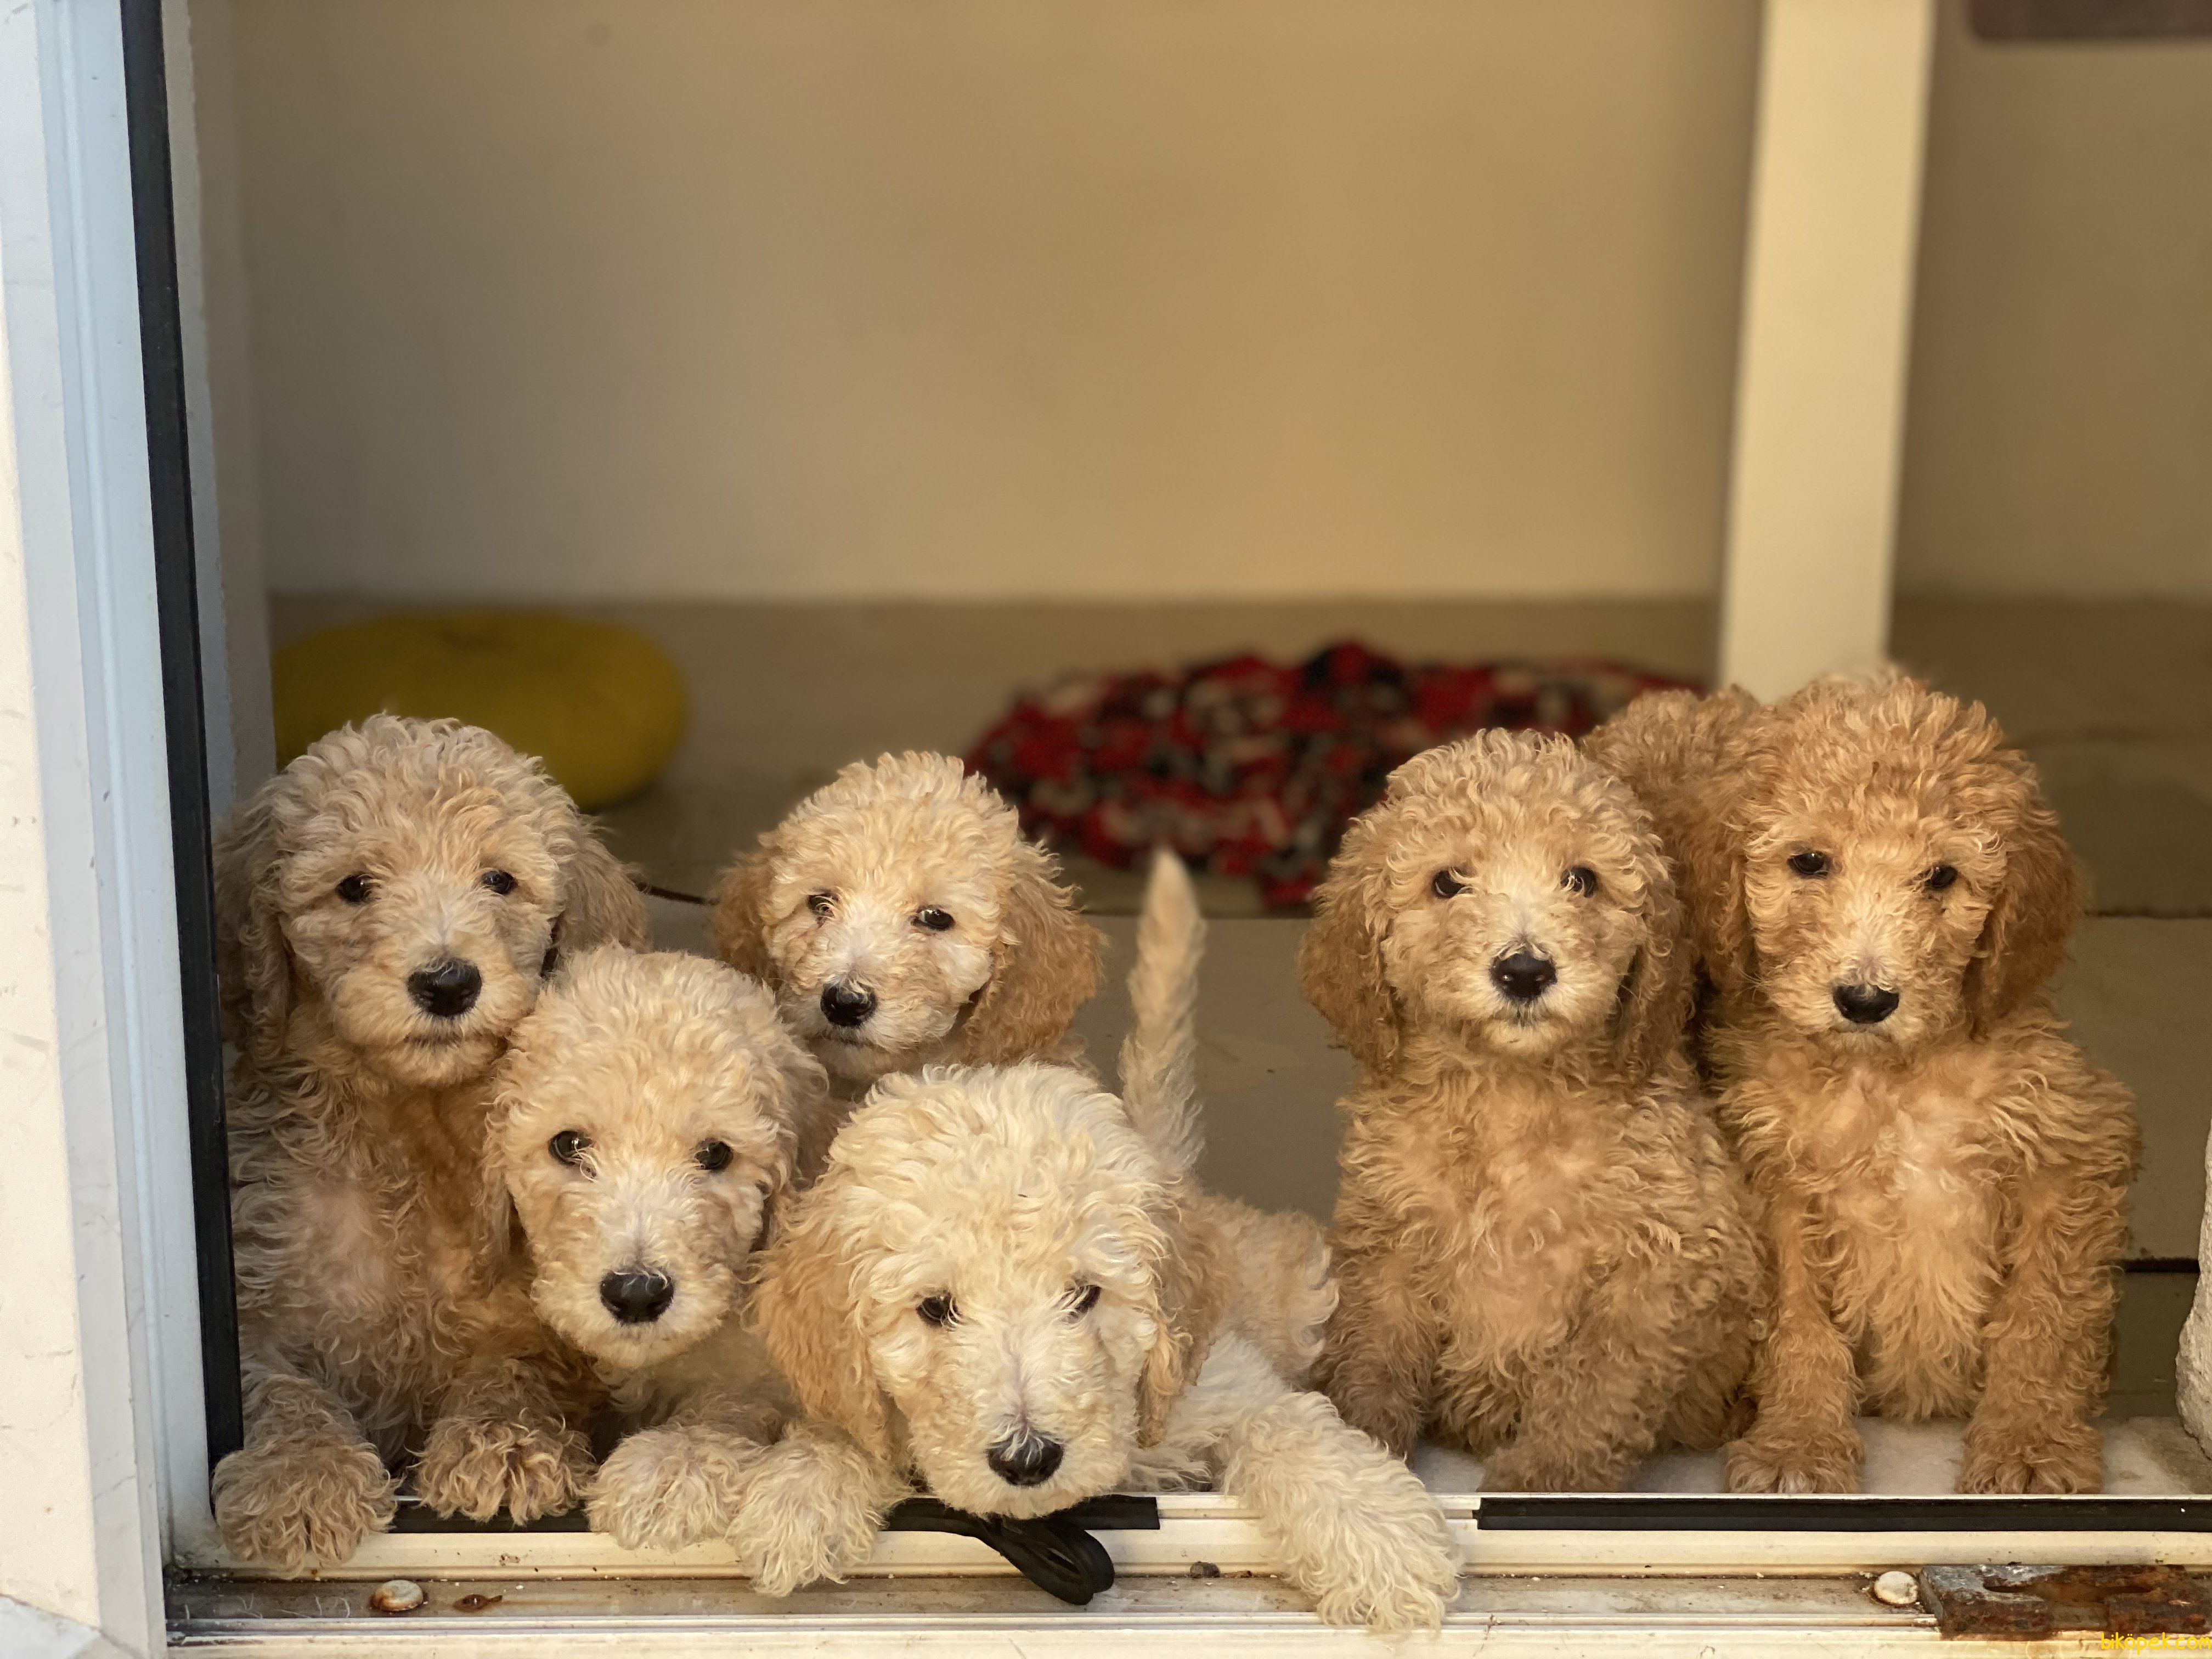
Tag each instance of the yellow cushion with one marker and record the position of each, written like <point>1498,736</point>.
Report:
<point>602,706</point>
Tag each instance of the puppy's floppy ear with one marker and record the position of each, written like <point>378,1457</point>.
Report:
<point>739,917</point>
<point>1660,986</point>
<point>252,959</point>
<point>1340,969</point>
<point>808,1110</point>
<point>2024,937</point>
<point>1697,764</point>
<point>600,903</point>
<point>805,1304</point>
<point>1189,1290</point>
<point>1045,966</point>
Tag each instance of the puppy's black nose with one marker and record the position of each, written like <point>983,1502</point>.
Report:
<point>1865,1004</point>
<point>637,1296</point>
<point>1523,976</point>
<point>846,1004</point>
<point>448,990</point>
<point>1024,1460</point>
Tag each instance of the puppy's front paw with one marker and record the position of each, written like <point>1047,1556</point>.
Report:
<point>1768,1460</point>
<point>302,1500</point>
<point>2013,1456</point>
<point>662,1489</point>
<point>810,1511</point>
<point>1399,1571</point>
<point>477,1466</point>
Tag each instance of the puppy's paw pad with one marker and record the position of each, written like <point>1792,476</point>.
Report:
<point>1824,1463</point>
<point>663,1489</point>
<point>302,1501</point>
<point>2071,1460</point>
<point>479,1466</point>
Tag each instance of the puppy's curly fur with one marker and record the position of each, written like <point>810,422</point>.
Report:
<point>1544,1248</point>
<point>905,888</point>
<point>647,1121</point>
<point>1001,1285</point>
<point>371,1310</point>
<point>1882,896</point>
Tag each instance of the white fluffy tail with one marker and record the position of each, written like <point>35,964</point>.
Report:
<point>1160,1057</point>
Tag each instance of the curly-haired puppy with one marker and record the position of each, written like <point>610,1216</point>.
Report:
<point>903,920</point>
<point>648,1119</point>
<point>1542,1242</point>
<point>387,907</point>
<point>1882,897</point>
<point>1004,1287</point>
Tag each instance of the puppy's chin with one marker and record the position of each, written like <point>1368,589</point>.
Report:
<point>1526,1033</point>
<point>854,1060</point>
<point>576,1314</point>
<point>437,1061</point>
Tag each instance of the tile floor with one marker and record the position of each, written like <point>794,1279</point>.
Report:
<point>2113,700</point>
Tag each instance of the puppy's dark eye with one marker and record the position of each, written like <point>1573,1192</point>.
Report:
<point>935,920</point>
<point>1085,1300</point>
<point>1581,879</point>
<point>499,881</point>
<point>1941,877</point>
<point>354,890</point>
<point>1810,865</point>
<point>936,1311</point>
<point>568,1146</point>
<point>1447,886</point>
<point>713,1156</point>
<point>820,903</point>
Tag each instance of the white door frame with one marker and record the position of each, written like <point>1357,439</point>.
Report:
<point>100,1390</point>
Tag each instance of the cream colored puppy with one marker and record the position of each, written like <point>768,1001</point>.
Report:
<point>902,921</point>
<point>1004,1287</point>
<point>648,1121</point>
<point>386,910</point>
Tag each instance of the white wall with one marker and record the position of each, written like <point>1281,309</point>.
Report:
<point>2060,433</point>
<point>992,297</point>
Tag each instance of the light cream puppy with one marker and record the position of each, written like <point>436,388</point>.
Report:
<point>1005,1288</point>
<point>386,909</point>
<point>1882,895</point>
<point>646,1122</point>
<point>1544,1249</point>
<point>902,921</point>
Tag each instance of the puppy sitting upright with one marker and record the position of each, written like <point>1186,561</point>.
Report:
<point>902,921</point>
<point>385,908</point>
<point>1882,897</point>
<point>1541,1241</point>
<point>649,1118</point>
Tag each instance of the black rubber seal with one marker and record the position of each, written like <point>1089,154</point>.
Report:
<point>176,598</point>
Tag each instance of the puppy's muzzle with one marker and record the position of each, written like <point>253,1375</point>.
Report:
<point>848,1005</point>
<point>637,1296</point>
<point>1523,976</point>
<point>1865,1004</point>
<point>448,989</point>
<point>1026,1459</point>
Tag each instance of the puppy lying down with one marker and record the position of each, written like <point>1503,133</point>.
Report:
<point>1008,1287</point>
<point>650,1115</point>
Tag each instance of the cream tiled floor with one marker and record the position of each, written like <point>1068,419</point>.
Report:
<point>2114,702</point>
